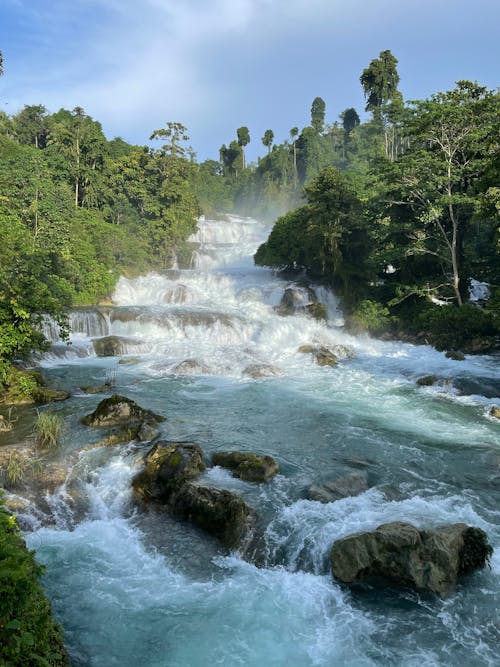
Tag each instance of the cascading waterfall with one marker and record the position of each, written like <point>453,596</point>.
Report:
<point>142,588</point>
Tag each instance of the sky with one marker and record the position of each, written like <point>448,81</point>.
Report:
<point>216,65</point>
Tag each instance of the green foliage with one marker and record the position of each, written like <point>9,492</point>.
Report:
<point>28,634</point>
<point>318,110</point>
<point>18,385</point>
<point>370,316</point>
<point>453,327</point>
<point>49,427</point>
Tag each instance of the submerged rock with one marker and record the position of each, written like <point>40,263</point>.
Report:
<point>220,513</point>
<point>257,371</point>
<point>119,410</point>
<point>99,389</point>
<point>348,485</point>
<point>427,381</point>
<point>247,466</point>
<point>169,465</point>
<point>426,560</point>
<point>190,367</point>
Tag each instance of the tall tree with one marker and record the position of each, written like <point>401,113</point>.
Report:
<point>174,135</point>
<point>30,125</point>
<point>318,110</point>
<point>268,139</point>
<point>380,82</point>
<point>243,135</point>
<point>453,142</point>
<point>294,133</point>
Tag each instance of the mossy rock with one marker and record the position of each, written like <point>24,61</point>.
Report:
<point>247,466</point>
<point>220,513</point>
<point>118,410</point>
<point>168,466</point>
<point>44,395</point>
<point>98,389</point>
<point>322,354</point>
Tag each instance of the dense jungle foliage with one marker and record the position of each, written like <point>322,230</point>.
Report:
<point>394,212</point>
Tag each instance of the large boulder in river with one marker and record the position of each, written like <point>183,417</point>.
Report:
<point>114,346</point>
<point>169,465</point>
<point>118,411</point>
<point>220,513</point>
<point>425,560</point>
<point>247,466</point>
<point>351,484</point>
<point>322,354</point>
<point>495,411</point>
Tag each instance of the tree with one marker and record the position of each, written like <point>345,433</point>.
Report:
<point>435,182</point>
<point>174,135</point>
<point>268,139</point>
<point>1,63</point>
<point>318,110</point>
<point>30,125</point>
<point>380,82</point>
<point>243,140</point>
<point>294,132</point>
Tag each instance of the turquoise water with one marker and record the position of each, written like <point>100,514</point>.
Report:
<point>135,587</point>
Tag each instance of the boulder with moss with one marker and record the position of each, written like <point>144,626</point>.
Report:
<point>120,411</point>
<point>220,513</point>
<point>168,466</point>
<point>402,555</point>
<point>329,491</point>
<point>247,466</point>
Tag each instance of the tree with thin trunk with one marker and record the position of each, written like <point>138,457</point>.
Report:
<point>268,139</point>
<point>243,135</point>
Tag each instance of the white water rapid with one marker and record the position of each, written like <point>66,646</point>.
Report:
<point>208,348</point>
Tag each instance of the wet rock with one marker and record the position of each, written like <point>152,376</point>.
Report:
<point>117,438</point>
<point>44,395</point>
<point>456,355</point>
<point>117,411</point>
<point>168,466</point>
<point>257,371</point>
<point>130,361</point>
<point>322,354</point>
<point>113,346</point>
<point>495,411</point>
<point>247,466</point>
<point>399,553</point>
<point>177,294</point>
<point>99,389</point>
<point>317,310</point>
<point>348,485</point>
<point>190,367</point>
<point>220,513</point>
<point>147,431</point>
<point>427,380</point>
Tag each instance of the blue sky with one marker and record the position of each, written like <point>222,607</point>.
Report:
<point>215,65</point>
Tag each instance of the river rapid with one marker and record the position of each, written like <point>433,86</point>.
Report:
<point>138,588</point>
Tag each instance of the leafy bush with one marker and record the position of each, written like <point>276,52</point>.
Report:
<point>28,634</point>
<point>370,316</point>
<point>453,327</point>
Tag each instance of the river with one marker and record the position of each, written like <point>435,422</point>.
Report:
<point>138,588</point>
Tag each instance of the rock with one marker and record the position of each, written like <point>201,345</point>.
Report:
<point>169,465</point>
<point>455,355</point>
<point>44,395</point>
<point>322,354</point>
<point>324,357</point>
<point>317,310</point>
<point>147,431</point>
<point>247,466</point>
<point>190,367</point>
<point>130,361</point>
<point>113,346</point>
<point>118,438</point>
<point>257,371</point>
<point>100,389</point>
<point>349,485</point>
<point>427,380</point>
<point>495,411</point>
<point>220,513</point>
<point>427,560</point>
<point>119,410</point>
